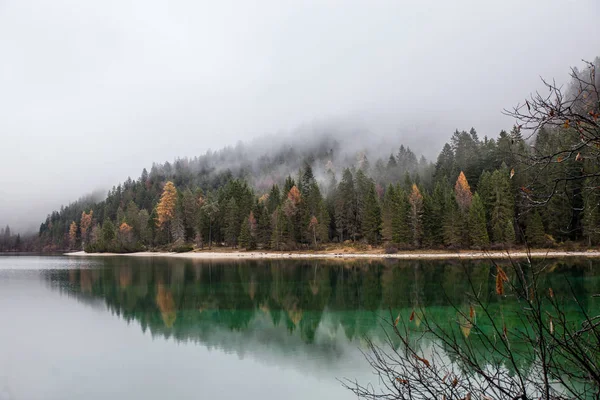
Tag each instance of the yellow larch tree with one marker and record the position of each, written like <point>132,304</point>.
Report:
<point>166,206</point>
<point>463,193</point>
<point>72,234</point>
<point>85,224</point>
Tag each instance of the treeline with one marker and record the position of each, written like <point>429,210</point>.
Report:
<point>10,242</point>
<point>472,197</point>
<point>14,242</point>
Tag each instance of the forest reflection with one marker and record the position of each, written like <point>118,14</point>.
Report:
<point>309,307</point>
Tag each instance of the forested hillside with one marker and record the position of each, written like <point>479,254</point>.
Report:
<point>475,195</point>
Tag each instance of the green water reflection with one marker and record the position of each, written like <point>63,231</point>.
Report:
<point>299,306</point>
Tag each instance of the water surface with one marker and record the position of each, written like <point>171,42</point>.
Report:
<point>152,328</point>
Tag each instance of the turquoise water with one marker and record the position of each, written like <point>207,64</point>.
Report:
<point>152,328</point>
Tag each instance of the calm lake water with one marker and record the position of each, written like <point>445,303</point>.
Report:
<point>151,328</point>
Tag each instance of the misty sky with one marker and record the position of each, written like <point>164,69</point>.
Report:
<point>93,91</point>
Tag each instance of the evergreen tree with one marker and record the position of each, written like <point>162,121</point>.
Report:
<point>502,208</point>
<point>387,212</point>
<point>231,222</point>
<point>415,199</point>
<point>346,208</point>
<point>263,235</point>
<point>452,222</point>
<point>274,199</point>
<point>245,236</point>
<point>401,232</point>
<point>108,235</point>
<point>534,232</point>
<point>509,233</point>
<point>371,225</point>
<point>591,213</point>
<point>477,224</point>
<point>434,208</point>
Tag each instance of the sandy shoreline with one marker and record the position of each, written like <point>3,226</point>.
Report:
<point>470,255</point>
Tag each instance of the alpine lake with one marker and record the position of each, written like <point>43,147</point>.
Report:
<point>167,328</point>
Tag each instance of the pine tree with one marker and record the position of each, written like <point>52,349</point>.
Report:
<point>434,207</point>
<point>371,224</point>
<point>363,186</point>
<point>274,199</point>
<point>509,233</point>
<point>591,214</point>
<point>277,229</point>
<point>401,232</point>
<point>231,222</point>
<point>534,231</point>
<point>263,235</point>
<point>477,224</point>
<point>108,234</point>
<point>145,231</point>
<point>452,222</point>
<point>346,208</point>
<point>388,209</point>
<point>245,237</point>
<point>415,199</point>
<point>502,209</point>
<point>210,209</point>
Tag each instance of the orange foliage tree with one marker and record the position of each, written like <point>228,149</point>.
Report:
<point>72,234</point>
<point>166,206</point>
<point>85,224</point>
<point>293,200</point>
<point>125,234</point>
<point>463,192</point>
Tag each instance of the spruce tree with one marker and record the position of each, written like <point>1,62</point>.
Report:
<point>415,200</point>
<point>401,232</point>
<point>231,222</point>
<point>502,208</point>
<point>452,222</point>
<point>509,233</point>
<point>477,224</point>
<point>534,231</point>
<point>387,212</point>
<point>371,224</point>
<point>591,214</point>
<point>245,237</point>
<point>434,207</point>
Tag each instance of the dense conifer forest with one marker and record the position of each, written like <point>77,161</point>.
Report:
<point>477,194</point>
<point>469,198</point>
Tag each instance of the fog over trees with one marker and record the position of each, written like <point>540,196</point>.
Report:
<point>92,93</point>
<point>475,194</point>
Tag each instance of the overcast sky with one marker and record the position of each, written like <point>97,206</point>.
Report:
<point>93,91</point>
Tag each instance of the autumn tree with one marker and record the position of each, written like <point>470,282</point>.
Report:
<point>462,191</point>
<point>72,234</point>
<point>125,236</point>
<point>84,225</point>
<point>166,206</point>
